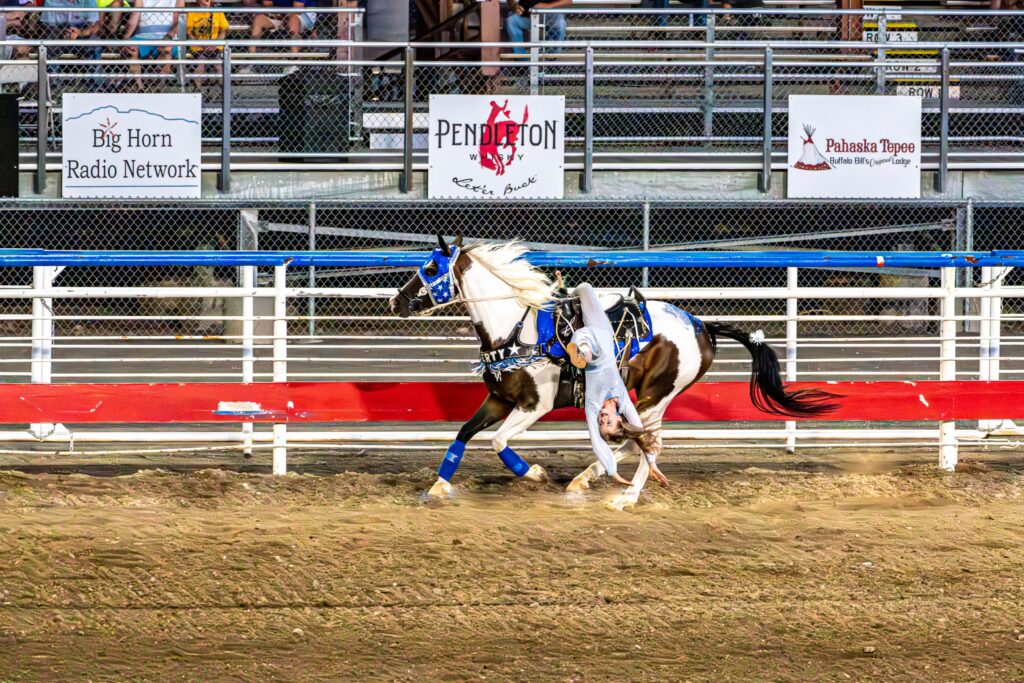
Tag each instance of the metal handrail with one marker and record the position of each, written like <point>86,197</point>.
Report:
<point>563,259</point>
<point>32,9</point>
<point>780,11</point>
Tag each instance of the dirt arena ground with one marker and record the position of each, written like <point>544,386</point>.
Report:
<point>752,566</point>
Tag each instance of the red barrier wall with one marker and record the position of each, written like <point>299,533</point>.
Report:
<point>457,401</point>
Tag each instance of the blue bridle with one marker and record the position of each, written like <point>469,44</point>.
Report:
<point>440,286</point>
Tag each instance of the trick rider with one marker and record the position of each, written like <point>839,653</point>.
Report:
<point>607,400</point>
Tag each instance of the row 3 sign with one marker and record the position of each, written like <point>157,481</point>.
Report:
<point>139,146</point>
<point>854,146</point>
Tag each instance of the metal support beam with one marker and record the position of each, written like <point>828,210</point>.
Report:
<point>765,183</point>
<point>709,76</point>
<point>43,114</point>
<point>405,183</point>
<point>224,179</point>
<point>536,24</point>
<point>587,179</point>
<point>881,37</point>
<point>645,278</point>
<point>943,172</point>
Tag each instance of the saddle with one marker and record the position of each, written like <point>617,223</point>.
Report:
<point>628,316</point>
<point>630,320</point>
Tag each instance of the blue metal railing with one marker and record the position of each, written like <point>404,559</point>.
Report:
<point>566,259</point>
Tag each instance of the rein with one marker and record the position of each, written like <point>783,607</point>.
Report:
<point>457,298</point>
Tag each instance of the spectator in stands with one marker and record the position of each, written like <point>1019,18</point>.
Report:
<point>111,26</point>
<point>750,20</point>
<point>11,30</point>
<point>659,19</point>
<point>296,23</point>
<point>517,24</point>
<point>152,26</point>
<point>76,23</point>
<point>206,26</point>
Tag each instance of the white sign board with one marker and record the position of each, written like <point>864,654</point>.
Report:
<point>135,146</point>
<point>854,146</point>
<point>496,147</point>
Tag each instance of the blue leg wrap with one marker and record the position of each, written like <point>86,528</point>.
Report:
<point>451,460</point>
<point>512,461</point>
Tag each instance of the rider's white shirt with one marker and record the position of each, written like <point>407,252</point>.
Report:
<point>602,374</point>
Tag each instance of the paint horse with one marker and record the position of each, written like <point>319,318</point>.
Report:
<point>506,298</point>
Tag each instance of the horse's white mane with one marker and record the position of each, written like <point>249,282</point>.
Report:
<point>531,287</point>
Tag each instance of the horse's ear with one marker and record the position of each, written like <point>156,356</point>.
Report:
<point>443,246</point>
<point>458,240</point>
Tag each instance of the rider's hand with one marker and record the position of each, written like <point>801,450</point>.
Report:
<point>658,476</point>
<point>618,477</point>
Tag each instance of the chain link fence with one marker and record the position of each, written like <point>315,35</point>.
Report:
<point>556,226</point>
<point>196,338</point>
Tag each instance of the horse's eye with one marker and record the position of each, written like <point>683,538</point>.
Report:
<point>430,269</point>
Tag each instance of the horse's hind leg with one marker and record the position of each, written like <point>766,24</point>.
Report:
<point>656,375</point>
<point>516,423</point>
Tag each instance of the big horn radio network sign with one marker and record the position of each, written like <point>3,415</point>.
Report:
<point>496,147</point>
<point>854,146</point>
<point>133,146</point>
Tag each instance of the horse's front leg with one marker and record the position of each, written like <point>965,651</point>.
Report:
<point>516,423</point>
<point>631,495</point>
<point>492,410</point>
<point>652,423</point>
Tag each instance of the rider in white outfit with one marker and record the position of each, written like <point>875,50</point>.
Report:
<point>607,400</point>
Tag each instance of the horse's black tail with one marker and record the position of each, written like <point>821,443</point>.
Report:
<point>767,392</point>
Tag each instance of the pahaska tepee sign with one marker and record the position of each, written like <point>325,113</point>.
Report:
<point>853,146</point>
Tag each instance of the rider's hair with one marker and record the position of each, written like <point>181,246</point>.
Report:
<point>643,438</point>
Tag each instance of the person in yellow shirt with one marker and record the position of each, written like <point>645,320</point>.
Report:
<point>205,26</point>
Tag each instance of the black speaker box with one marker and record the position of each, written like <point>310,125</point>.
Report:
<point>8,146</point>
<point>314,113</point>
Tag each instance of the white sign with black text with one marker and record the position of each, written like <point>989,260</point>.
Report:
<point>132,146</point>
<point>854,146</point>
<point>496,147</point>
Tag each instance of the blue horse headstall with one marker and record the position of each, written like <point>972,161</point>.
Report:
<point>441,285</point>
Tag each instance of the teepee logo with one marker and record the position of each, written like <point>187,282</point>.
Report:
<point>811,159</point>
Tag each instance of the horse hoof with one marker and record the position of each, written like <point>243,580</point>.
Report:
<point>580,483</point>
<point>440,489</point>
<point>621,502</point>
<point>536,473</point>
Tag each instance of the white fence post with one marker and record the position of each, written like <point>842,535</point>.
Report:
<point>42,338</point>
<point>985,339</point>
<point>995,333</point>
<point>792,310</point>
<point>280,362</point>
<point>248,357</point>
<point>947,366</point>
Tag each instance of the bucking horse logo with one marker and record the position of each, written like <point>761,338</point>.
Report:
<point>498,149</point>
